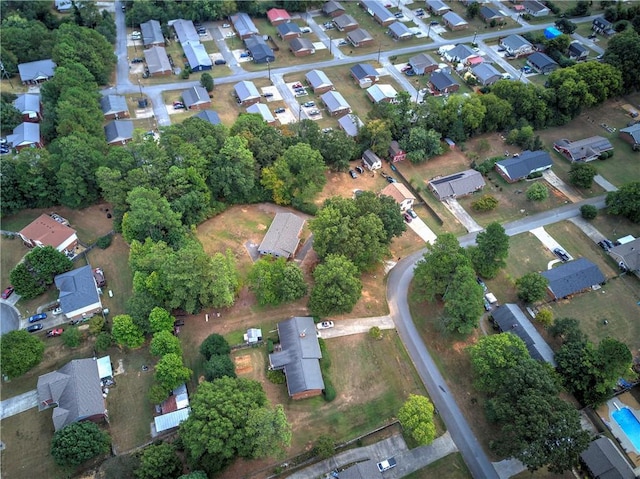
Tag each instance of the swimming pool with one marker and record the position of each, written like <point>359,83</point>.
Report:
<point>629,424</point>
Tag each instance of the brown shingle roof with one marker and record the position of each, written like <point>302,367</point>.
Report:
<point>47,231</point>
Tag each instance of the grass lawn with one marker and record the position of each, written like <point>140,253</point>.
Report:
<point>585,30</point>
<point>13,249</point>
<point>449,467</point>
<point>615,227</point>
<point>115,262</point>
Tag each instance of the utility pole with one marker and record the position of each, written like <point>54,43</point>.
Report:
<point>269,68</point>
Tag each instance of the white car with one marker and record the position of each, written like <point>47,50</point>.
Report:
<point>226,25</point>
<point>305,30</point>
<point>325,325</point>
<point>387,464</point>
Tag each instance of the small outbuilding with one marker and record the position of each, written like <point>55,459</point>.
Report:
<point>371,161</point>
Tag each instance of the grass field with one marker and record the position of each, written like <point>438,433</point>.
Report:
<point>115,262</point>
<point>449,467</point>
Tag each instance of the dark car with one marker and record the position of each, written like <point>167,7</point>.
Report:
<point>220,62</point>
<point>360,169</point>
<point>279,110</point>
<point>609,243</point>
<point>562,254</point>
<point>603,245</point>
<point>407,218</point>
<point>481,283</point>
<point>179,322</point>
<point>410,72</point>
<point>353,174</point>
<point>391,179</point>
<point>268,95</point>
<point>412,213</point>
<point>34,327</point>
<point>433,23</point>
<point>37,317</point>
<point>7,292</point>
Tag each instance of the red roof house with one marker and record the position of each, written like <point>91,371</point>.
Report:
<point>277,16</point>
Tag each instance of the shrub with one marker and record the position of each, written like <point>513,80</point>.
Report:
<point>545,317</point>
<point>104,241</point>
<point>103,341</point>
<point>270,346</point>
<point>537,192</point>
<point>534,175</point>
<point>588,212</point>
<point>329,391</point>
<point>276,376</point>
<point>324,447</point>
<point>375,333</point>
<point>485,203</point>
<point>71,337</point>
<point>487,165</point>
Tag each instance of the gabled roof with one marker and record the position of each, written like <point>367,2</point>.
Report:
<point>460,52</point>
<point>209,115</point>
<point>77,289</point>
<point>399,29</point>
<point>47,231</point>
<point>263,110</point>
<point>286,28</point>
<point>527,162</point>
<point>585,148</point>
<point>344,21</point>
<point>398,192</point>
<point>119,130</point>
<point>334,101</point>
<point>196,95</point>
<point>246,90</point>
<point>421,61</point>
<point>605,461</point>
<point>25,134</point>
<point>283,235</point>
<point>299,44</point>
<point>363,70</point>
<point>332,6</point>
<point>377,9</point>
<point>243,24</point>
<point>515,42</point>
<point>629,254</point>
<point>185,30</point>
<point>351,124</point>
<point>371,159</point>
<point>437,5</point>
<point>534,6</point>
<point>573,277</point>
<point>577,48</point>
<point>196,54</point>
<point>318,79</point>
<point>489,12</point>
<point>540,60</point>
<point>442,80</point>
<point>359,35</point>
<point>259,49</point>
<point>157,60</point>
<point>454,19</point>
<point>602,22</point>
<point>299,356</point>
<point>35,71</point>
<point>170,420</point>
<point>633,131</point>
<point>278,14</point>
<point>111,104</point>
<point>485,71</point>
<point>458,184</point>
<point>380,92</point>
<point>151,32</point>
<point>27,102</point>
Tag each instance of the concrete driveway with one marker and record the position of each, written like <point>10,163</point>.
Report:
<point>17,404</point>
<point>548,240</point>
<point>461,215</point>
<point>356,326</point>
<point>422,230</point>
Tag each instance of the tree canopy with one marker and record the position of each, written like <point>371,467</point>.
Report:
<point>276,281</point>
<point>491,252</point>
<point>493,356</point>
<point>19,352</point>
<point>78,442</point>
<point>416,417</point>
<point>214,344</point>
<point>337,287</point>
<point>31,277</point>
<point>125,332</point>
<point>171,372</point>
<point>159,461</point>
<point>532,287</point>
<point>625,201</point>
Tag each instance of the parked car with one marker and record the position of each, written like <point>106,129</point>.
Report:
<point>360,169</point>
<point>412,213</point>
<point>433,23</point>
<point>399,15</point>
<point>327,130</point>
<point>405,68</point>
<point>296,85</point>
<point>305,30</point>
<point>179,322</point>
<point>137,60</point>
<point>387,464</point>
<point>609,243</point>
<point>37,317</point>
<point>220,62</point>
<point>407,217</point>
<point>34,327</point>
<point>309,104</point>
<point>8,292</point>
<point>487,305</point>
<point>342,43</point>
<point>562,254</point>
<point>230,34</point>
<point>268,95</point>
<point>98,274</point>
<point>177,104</point>
<point>226,25</point>
<point>245,55</point>
<point>279,110</point>
<point>325,325</point>
<point>391,179</point>
<point>410,72</point>
<point>314,112</point>
<point>353,174</point>
<point>54,332</point>
<point>481,283</point>
<point>57,311</point>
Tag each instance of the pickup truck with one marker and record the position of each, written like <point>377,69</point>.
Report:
<point>387,464</point>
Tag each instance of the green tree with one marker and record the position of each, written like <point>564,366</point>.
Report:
<point>325,447</point>
<point>545,317</point>
<point>623,52</point>
<point>171,372</point>
<point>104,341</point>
<point>337,287</point>
<point>218,366</point>
<point>71,337</point>
<point>275,281</point>
<point>625,201</point>
<point>337,149</point>
<point>78,442</point>
<point>499,114</point>
<point>161,320</point>
<point>10,117</point>
<point>532,287</point>
<point>491,252</point>
<point>376,135</point>
<point>159,462</point>
<point>566,26</point>
<point>582,174</point>
<point>422,144</point>
<point>268,432</point>
<point>206,81</point>
<point>537,192</point>
<point>164,342</point>
<point>19,352</point>
<point>588,212</point>
<point>194,475</point>
<point>493,356</point>
<point>96,324</point>
<point>214,344</point>
<point>31,277</point>
<point>416,417</point>
<point>232,174</point>
<point>463,302</point>
<point>473,10</point>
<point>226,280</point>
<point>485,203</point>
<point>126,333</point>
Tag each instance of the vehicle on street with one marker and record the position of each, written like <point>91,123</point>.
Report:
<point>407,217</point>
<point>34,327</point>
<point>353,174</point>
<point>279,110</point>
<point>412,213</point>
<point>387,464</point>
<point>562,254</point>
<point>309,104</point>
<point>8,292</point>
<point>54,332</point>
<point>325,325</point>
<point>37,317</point>
<point>220,62</point>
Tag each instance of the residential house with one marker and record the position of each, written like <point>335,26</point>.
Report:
<point>602,26</point>
<point>577,51</point>
<point>246,93</point>
<point>278,16</point>
<point>437,7</point>
<point>335,103</point>
<point>332,9</point>
<point>359,37</point>
<point>399,31</point>
<point>585,150</point>
<point>262,110</point>
<point>298,355</point>
<point>486,74</point>
<point>627,255</point>
<point>196,98</point>
<point>542,63</point>
<point>454,22</point>
<point>401,194</point>
<point>209,115</point>
<point>510,319</point>
<point>29,106</point>
<point>603,460</point>
<point>631,135</point>
<point>197,56</point>
<point>382,93</point>
<point>423,64</point>
<point>535,8</point>
<point>36,72</point>
<point>459,54</point>
<point>573,277</point>
<point>185,31</point>
<point>396,153</point>
<point>152,34</point>
<point>351,125</point>
<point>516,46</point>
<point>119,132</point>
<point>456,185</point>
<point>371,161</point>
<point>283,236</point>
<point>442,82</point>
<point>243,25</point>
<point>114,107</point>
<point>364,74</point>
<point>345,23</point>
<point>26,135</point>
<point>157,61</point>
<point>301,47</point>
<point>521,166</point>
<point>490,14</point>
<point>379,12</point>
<point>174,410</point>
<point>74,392</point>
<point>319,81</point>
<point>259,50</point>
<point>79,296</point>
<point>47,231</point>
<point>288,31</point>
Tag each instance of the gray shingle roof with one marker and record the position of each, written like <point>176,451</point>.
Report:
<point>151,32</point>
<point>112,104</point>
<point>514,42</point>
<point>345,21</point>
<point>298,44</point>
<point>243,24</point>
<point>359,35</point>
<point>286,28</point>
<point>525,164</point>
<point>604,460</point>
<point>260,51</point>
<point>246,90</point>
<point>118,130</point>
<point>196,95</point>
<point>363,70</point>
<point>458,184</point>
<point>573,277</point>
<point>454,19</point>
<point>540,61</point>
<point>351,124</point>
<point>185,30</point>
<point>332,6</point>
<point>629,254</point>
<point>399,29</point>
<point>157,60</point>
<point>442,80</point>
<point>486,73</point>
<point>262,110</point>
<point>460,52</point>
<point>334,101</point>
<point>421,61</point>
<point>633,131</point>
<point>283,235</point>
<point>533,6</point>
<point>77,289</point>
<point>25,134</point>
<point>209,115</point>
<point>36,71</point>
<point>197,55</point>
<point>489,12</point>
<point>377,9</point>
<point>577,48</point>
<point>437,5</point>
<point>380,92</point>
<point>27,102</point>
<point>584,149</point>
<point>318,79</point>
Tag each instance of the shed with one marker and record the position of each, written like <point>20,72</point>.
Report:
<point>104,367</point>
<point>396,153</point>
<point>171,420</point>
<point>573,277</point>
<point>456,185</point>
<point>371,161</point>
<point>253,335</point>
<point>283,236</point>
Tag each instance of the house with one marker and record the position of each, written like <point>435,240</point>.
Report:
<point>174,409</point>
<point>454,22</point>
<point>246,93</point>
<point>516,46</point>
<point>519,167</point>
<point>399,31</point>
<point>456,185</point>
<point>573,277</point>
<point>332,9</point>
<point>364,74</point>
<point>262,110</point>
<point>253,336</point>
<point>79,296</point>
<point>423,64</point>
<point>627,255</point>
<point>288,31</point>
<point>490,14</point>
<point>335,103</point>
<point>119,132</point>
<point>152,34</point>
<point>197,57</point>
<point>345,23</point>
<point>577,51</point>
<point>319,81</point>
<point>209,115</point>
<point>587,149</point>
<point>283,236</point>
<point>26,135</point>
<point>301,47</point>
<point>28,104</point>
<point>259,50</point>
<point>299,357</point>
<point>459,54</point>
<point>371,161</point>
<point>350,124</point>
<point>185,31</point>
<point>510,319</point>
<point>157,61</point>
<point>535,8</point>
<point>196,98</point>
<point>486,74</point>
<point>36,72</point>
<point>278,16</point>
<point>47,231</point>
<point>442,82</point>
<point>401,194</point>
<point>114,107</point>
<point>359,37</point>
<point>243,25</point>
<point>378,11</point>
<point>604,460</point>
<point>396,153</point>
<point>602,26</point>
<point>631,135</point>
<point>74,392</point>
<point>437,7</point>
<point>382,93</point>
<point>542,63</point>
